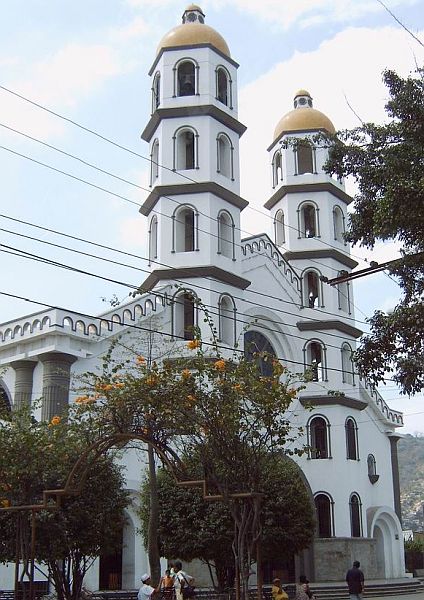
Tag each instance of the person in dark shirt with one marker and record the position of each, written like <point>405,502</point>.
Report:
<point>355,581</point>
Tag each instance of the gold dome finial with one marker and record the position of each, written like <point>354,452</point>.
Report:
<point>304,117</point>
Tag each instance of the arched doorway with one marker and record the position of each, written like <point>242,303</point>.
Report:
<point>110,569</point>
<point>384,526</point>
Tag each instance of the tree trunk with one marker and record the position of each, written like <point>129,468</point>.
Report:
<point>153,539</point>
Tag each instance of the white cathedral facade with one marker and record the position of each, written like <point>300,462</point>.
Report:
<point>275,285</point>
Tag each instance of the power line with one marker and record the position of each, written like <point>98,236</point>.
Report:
<point>212,309</point>
<point>197,286</point>
<point>126,149</point>
<point>139,327</point>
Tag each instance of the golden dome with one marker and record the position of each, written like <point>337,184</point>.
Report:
<point>193,33</point>
<point>303,118</point>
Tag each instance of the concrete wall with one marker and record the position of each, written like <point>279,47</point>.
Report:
<point>334,556</point>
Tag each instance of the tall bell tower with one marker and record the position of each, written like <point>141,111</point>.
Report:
<point>193,133</point>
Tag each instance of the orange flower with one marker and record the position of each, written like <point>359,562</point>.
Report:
<point>5,503</point>
<point>107,387</point>
<point>81,399</point>
<point>220,365</point>
<point>151,380</point>
<point>140,360</point>
<point>191,399</point>
<point>193,344</point>
<point>55,420</point>
<point>119,385</point>
<point>292,392</point>
<point>185,373</point>
<point>237,387</point>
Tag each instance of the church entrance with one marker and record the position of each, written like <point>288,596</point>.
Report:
<point>110,570</point>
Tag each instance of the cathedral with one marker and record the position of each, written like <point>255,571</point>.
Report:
<point>270,292</point>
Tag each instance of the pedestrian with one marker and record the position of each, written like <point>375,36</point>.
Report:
<point>167,586</point>
<point>277,591</point>
<point>303,591</point>
<point>146,590</point>
<point>181,580</point>
<point>355,581</point>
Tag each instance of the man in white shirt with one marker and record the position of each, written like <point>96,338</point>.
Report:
<point>181,579</point>
<point>146,591</point>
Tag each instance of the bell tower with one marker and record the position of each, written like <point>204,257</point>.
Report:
<point>193,133</point>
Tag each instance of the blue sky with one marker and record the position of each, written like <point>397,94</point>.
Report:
<point>88,60</point>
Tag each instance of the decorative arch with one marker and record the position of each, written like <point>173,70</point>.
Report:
<point>224,156</point>
<point>348,368</point>
<point>318,437</point>
<point>5,398</point>
<point>355,511</point>
<point>279,228</point>
<point>153,239</point>
<point>384,525</point>
<point>184,315</point>
<point>186,77</point>
<point>185,149</point>
<point>312,289</point>
<point>305,158</point>
<point>227,319</point>
<point>156,92</point>
<point>351,432</point>
<point>324,507</point>
<point>315,359</point>
<point>185,227</point>
<point>339,224</point>
<point>154,162</point>
<point>308,220</point>
<point>226,237</point>
<point>224,84</point>
<point>277,168</point>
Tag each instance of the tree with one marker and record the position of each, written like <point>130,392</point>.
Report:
<point>225,410</point>
<point>287,520</point>
<point>387,162</point>
<point>86,526</point>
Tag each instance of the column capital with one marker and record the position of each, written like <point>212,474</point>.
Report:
<point>29,365</point>
<point>57,357</point>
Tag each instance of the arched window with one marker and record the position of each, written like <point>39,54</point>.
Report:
<point>223,86</point>
<point>308,225</point>
<point>315,360</point>
<point>185,225</point>
<point>5,405</point>
<point>319,438</point>
<point>156,92</point>
<point>324,511</point>
<point>186,79</point>
<point>185,150</point>
<point>305,158</point>
<point>227,323</point>
<point>355,507</point>
<point>277,168</point>
<point>279,228</point>
<point>372,465</point>
<point>343,294</point>
<point>351,430</point>
<point>154,162</point>
<point>153,239</point>
<point>312,290</point>
<point>185,316</point>
<point>226,234</point>
<point>338,224</point>
<point>256,343</point>
<point>347,364</point>
<point>224,155</point>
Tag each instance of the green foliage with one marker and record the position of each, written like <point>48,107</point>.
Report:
<point>191,528</point>
<point>387,162</point>
<point>35,456</point>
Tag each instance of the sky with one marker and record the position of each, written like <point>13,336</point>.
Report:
<point>88,60</point>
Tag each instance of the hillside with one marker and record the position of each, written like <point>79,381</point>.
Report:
<point>411,471</point>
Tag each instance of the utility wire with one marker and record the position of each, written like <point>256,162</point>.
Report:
<point>212,309</point>
<point>197,286</point>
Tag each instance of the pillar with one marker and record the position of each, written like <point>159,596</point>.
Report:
<point>56,380</point>
<point>24,370</point>
<point>395,474</point>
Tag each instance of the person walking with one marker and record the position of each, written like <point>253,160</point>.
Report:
<point>181,579</point>
<point>355,581</point>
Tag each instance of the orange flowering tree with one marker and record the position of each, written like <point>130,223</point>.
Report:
<point>38,455</point>
<point>221,408</point>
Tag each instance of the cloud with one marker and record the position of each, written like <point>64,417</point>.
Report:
<point>136,28</point>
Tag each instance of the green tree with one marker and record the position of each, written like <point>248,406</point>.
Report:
<point>191,528</point>
<point>387,162</point>
<point>35,456</point>
<point>223,409</point>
